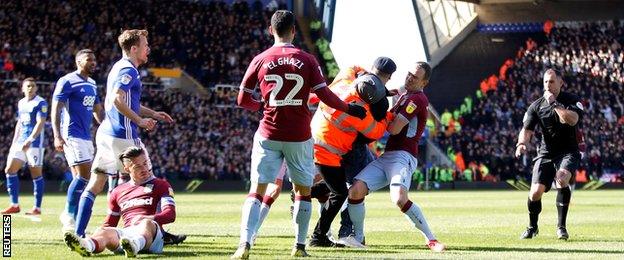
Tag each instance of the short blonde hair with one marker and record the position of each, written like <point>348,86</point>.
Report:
<point>129,38</point>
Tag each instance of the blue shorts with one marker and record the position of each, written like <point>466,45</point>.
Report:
<point>391,168</point>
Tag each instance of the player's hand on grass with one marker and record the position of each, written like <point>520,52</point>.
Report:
<point>520,150</point>
<point>356,111</point>
<point>162,116</point>
<point>147,124</point>
<point>59,142</point>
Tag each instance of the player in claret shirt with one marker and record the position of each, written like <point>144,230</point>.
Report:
<point>396,165</point>
<point>286,76</point>
<point>136,203</point>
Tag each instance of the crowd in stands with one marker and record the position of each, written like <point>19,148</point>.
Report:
<point>213,41</point>
<point>211,139</point>
<point>592,60</point>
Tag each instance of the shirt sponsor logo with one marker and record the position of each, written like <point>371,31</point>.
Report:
<point>136,202</point>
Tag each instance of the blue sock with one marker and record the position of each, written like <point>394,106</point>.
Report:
<point>76,187</point>
<point>38,191</point>
<point>85,207</point>
<point>13,188</point>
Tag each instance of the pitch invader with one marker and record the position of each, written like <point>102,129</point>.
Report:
<point>124,115</point>
<point>74,103</point>
<point>27,146</point>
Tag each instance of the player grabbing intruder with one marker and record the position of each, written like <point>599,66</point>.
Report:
<point>557,113</point>
<point>27,146</point>
<point>396,165</point>
<point>286,76</point>
<point>136,203</point>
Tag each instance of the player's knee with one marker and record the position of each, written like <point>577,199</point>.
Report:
<point>358,190</point>
<point>535,194</point>
<point>398,196</point>
<point>563,178</point>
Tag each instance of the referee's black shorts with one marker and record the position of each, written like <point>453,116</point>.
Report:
<point>545,169</point>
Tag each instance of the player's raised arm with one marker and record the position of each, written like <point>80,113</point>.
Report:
<point>329,98</point>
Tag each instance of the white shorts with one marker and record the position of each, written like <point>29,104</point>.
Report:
<point>78,151</point>
<point>33,155</point>
<point>157,244</point>
<point>108,150</point>
<point>267,156</point>
<point>391,168</point>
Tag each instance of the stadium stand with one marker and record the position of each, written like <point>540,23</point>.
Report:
<point>590,54</point>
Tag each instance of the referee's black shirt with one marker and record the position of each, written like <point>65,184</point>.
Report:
<point>557,138</point>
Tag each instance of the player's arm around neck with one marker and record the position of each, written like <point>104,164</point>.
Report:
<point>397,124</point>
<point>566,116</point>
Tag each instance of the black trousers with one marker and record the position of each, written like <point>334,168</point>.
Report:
<point>336,182</point>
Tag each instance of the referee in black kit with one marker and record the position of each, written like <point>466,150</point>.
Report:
<point>558,157</point>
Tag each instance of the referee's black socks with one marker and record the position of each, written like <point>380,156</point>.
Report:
<point>563,202</point>
<point>535,207</point>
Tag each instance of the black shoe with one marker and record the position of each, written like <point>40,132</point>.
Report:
<point>562,233</point>
<point>529,233</point>
<point>172,239</point>
<point>322,241</point>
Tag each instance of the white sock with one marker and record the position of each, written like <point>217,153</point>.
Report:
<point>414,214</point>
<point>89,245</point>
<point>264,212</point>
<point>249,218</point>
<point>140,242</point>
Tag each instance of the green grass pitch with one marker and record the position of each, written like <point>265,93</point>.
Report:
<point>472,224</point>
